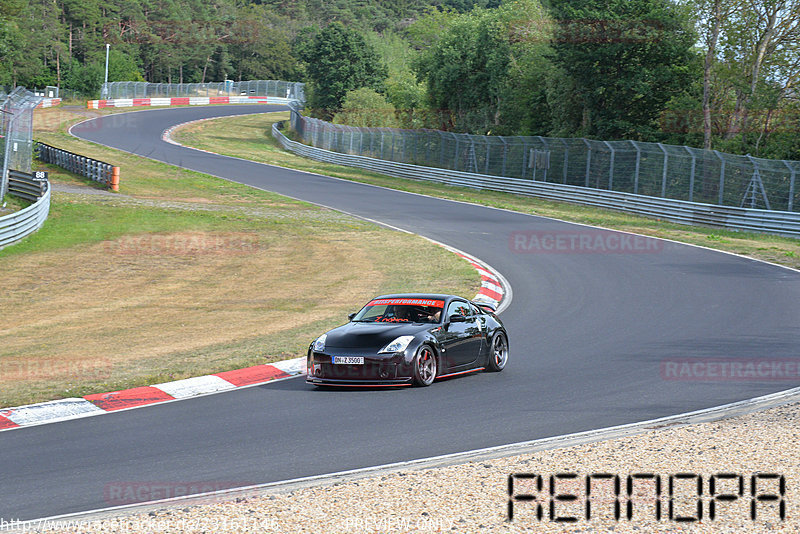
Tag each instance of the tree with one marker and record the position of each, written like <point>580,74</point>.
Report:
<point>487,67</point>
<point>84,78</point>
<point>339,60</point>
<point>465,70</point>
<point>366,107</point>
<point>260,46</point>
<point>713,14</point>
<point>626,58</point>
<point>122,68</point>
<point>751,71</point>
<point>764,41</point>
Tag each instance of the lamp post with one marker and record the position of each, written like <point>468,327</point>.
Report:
<point>105,80</point>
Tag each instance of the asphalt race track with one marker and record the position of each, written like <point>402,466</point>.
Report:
<point>589,333</point>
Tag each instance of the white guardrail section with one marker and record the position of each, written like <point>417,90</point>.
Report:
<point>680,211</point>
<point>22,223</point>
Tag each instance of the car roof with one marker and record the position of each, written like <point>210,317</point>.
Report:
<point>432,296</point>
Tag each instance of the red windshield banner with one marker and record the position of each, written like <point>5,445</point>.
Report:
<point>408,302</point>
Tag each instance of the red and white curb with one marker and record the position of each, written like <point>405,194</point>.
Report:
<point>491,291</point>
<point>495,289</point>
<point>184,101</point>
<point>61,410</point>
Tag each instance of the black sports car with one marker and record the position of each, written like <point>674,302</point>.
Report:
<point>400,340</point>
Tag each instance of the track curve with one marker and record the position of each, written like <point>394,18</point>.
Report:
<point>588,334</point>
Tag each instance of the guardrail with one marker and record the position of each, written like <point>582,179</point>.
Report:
<point>32,186</point>
<point>99,171</point>
<point>776,222</point>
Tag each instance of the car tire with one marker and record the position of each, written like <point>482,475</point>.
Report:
<point>425,366</point>
<point>498,356</point>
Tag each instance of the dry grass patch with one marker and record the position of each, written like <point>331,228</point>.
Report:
<point>59,118</point>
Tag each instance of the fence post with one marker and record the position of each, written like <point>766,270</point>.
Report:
<point>505,153</point>
<point>664,172</point>
<point>756,181</point>
<point>428,142</point>
<point>455,156</point>
<point>721,176</point>
<point>610,167</point>
<point>793,174</point>
<point>486,165</point>
<point>547,148</point>
<point>350,130</point>
<point>525,153</point>
<point>6,150</point>
<point>636,170</point>
<point>588,160</point>
<point>691,175</point>
<point>566,158</point>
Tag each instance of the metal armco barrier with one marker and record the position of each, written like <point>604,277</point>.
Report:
<point>775,222</point>
<point>99,171</point>
<point>22,223</point>
<point>30,186</point>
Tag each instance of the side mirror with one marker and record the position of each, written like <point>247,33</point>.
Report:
<point>350,317</point>
<point>457,318</point>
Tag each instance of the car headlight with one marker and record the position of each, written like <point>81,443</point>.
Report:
<point>398,345</point>
<point>319,343</point>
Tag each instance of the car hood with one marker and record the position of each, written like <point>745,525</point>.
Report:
<point>371,335</point>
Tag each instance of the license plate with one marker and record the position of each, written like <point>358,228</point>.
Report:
<point>348,360</point>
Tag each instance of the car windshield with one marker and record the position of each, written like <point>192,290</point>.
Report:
<point>401,310</point>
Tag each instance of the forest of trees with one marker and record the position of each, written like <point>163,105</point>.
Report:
<point>718,74</point>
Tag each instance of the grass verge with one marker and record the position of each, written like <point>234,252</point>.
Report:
<point>250,137</point>
<point>9,204</point>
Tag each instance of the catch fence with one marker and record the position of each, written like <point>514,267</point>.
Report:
<point>16,133</point>
<point>652,169</point>
<point>274,88</point>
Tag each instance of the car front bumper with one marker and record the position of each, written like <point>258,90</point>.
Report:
<point>377,369</point>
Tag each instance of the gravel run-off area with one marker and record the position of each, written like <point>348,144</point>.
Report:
<point>474,497</point>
